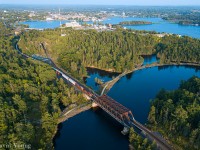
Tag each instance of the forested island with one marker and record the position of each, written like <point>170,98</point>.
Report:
<point>185,19</point>
<point>176,115</point>
<point>130,23</point>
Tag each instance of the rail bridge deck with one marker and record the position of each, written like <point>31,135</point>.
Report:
<point>122,114</point>
<point>119,112</point>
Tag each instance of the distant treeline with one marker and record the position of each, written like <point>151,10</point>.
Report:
<point>188,22</point>
<point>185,19</point>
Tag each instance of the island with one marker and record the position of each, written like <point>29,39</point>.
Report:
<point>192,19</point>
<point>130,23</point>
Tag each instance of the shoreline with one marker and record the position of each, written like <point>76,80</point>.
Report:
<point>88,106</point>
<point>103,69</point>
<point>77,111</point>
<point>73,112</point>
<point>108,87</point>
<point>147,66</point>
<point>162,65</point>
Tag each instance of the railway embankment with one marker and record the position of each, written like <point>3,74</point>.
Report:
<point>108,85</point>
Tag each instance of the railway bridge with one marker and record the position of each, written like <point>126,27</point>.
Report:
<point>116,110</point>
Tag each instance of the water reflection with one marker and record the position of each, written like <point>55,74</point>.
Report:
<point>96,130</point>
<point>149,59</point>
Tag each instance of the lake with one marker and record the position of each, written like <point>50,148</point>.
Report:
<point>44,24</point>
<point>159,25</point>
<point>94,129</point>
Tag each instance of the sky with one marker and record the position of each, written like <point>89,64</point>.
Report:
<point>106,2</point>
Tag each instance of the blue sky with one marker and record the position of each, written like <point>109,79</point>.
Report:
<point>105,2</point>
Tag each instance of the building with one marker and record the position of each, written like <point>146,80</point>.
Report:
<point>73,24</point>
<point>49,19</point>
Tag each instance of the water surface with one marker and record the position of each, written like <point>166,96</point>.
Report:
<point>96,130</point>
<point>44,24</point>
<point>159,25</point>
<point>150,59</point>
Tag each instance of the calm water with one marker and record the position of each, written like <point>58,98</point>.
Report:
<point>103,75</point>
<point>158,25</point>
<point>150,59</point>
<point>96,130</point>
<point>44,24</point>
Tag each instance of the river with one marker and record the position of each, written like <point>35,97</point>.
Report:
<point>94,129</point>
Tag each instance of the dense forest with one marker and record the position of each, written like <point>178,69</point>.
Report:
<point>173,49</point>
<point>114,51</point>
<point>117,51</point>
<point>127,23</point>
<point>176,115</point>
<point>5,29</point>
<point>30,99</point>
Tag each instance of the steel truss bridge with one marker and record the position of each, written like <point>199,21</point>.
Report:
<point>116,110</point>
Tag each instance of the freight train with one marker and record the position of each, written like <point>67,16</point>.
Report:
<point>74,83</point>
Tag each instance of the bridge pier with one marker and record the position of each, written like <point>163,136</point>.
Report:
<point>94,105</point>
<point>125,131</point>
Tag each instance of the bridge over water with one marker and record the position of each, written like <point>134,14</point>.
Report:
<point>116,110</point>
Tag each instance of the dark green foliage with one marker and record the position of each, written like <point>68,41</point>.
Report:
<point>30,95</point>
<point>127,23</point>
<point>138,143</point>
<point>118,51</point>
<point>176,114</point>
<point>174,49</point>
<point>115,51</point>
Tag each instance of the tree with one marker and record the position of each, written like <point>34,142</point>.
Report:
<point>152,115</point>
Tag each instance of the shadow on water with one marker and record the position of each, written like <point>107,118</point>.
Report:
<point>102,73</point>
<point>129,76</point>
<point>93,129</point>
<point>149,59</point>
<point>196,68</point>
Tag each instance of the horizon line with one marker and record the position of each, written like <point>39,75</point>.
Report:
<point>185,5</point>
